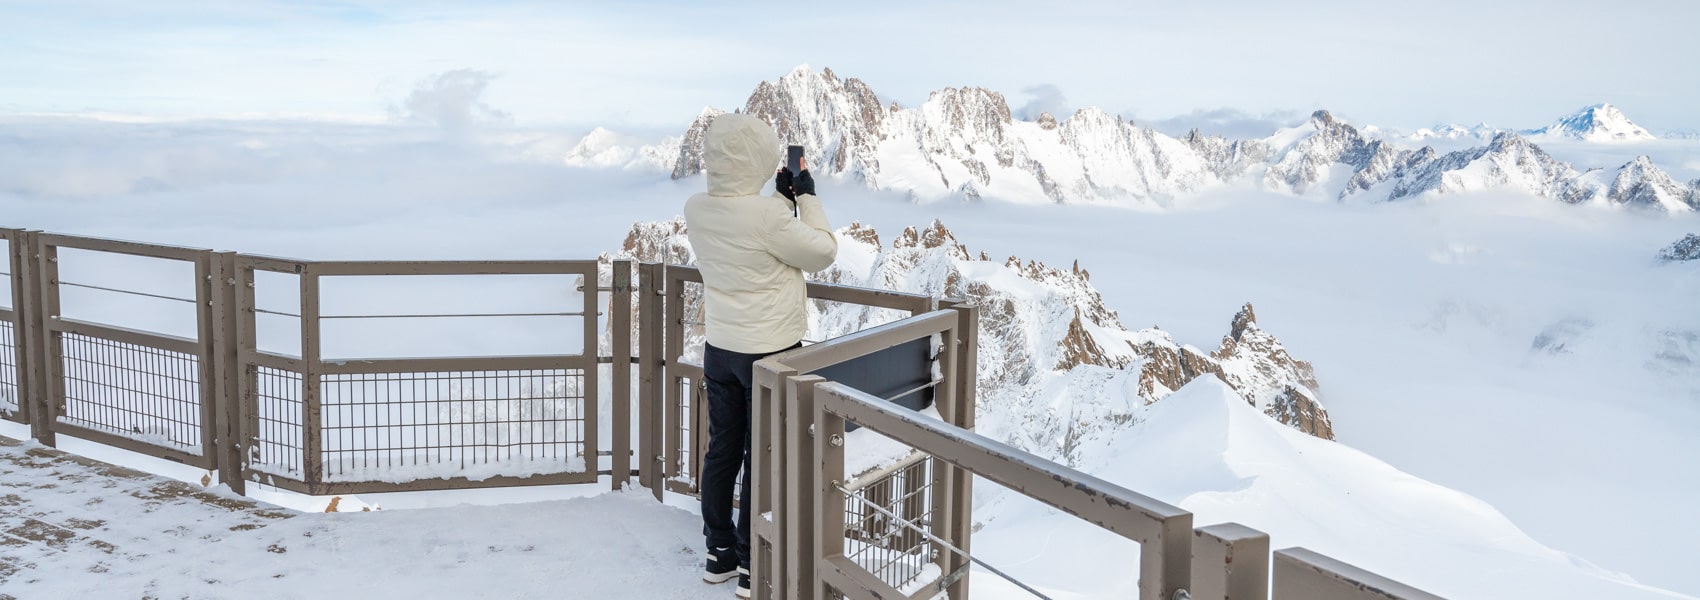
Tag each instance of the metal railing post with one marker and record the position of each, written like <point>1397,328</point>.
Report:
<point>650,377</point>
<point>208,319</point>
<point>50,397</point>
<point>770,573</point>
<point>312,430</point>
<point>23,345</point>
<point>245,385</point>
<point>1229,562</point>
<point>227,457</point>
<point>959,519</point>
<point>620,347</point>
<point>799,528</point>
<point>828,502</point>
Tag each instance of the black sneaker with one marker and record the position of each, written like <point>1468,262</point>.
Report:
<point>743,590</point>
<point>722,565</point>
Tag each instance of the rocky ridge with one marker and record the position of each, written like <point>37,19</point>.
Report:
<point>964,143</point>
<point>1056,364</point>
<point>1687,248</point>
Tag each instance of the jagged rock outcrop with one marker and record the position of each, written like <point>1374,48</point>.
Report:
<point>1309,161</point>
<point>1641,184</point>
<point>1687,248</point>
<point>1046,336</point>
<point>690,145</point>
<point>1228,159</point>
<point>1509,162</point>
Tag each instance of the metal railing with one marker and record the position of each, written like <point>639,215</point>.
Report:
<point>903,528</point>
<point>898,526</point>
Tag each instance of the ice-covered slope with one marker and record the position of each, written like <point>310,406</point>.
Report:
<point>1597,123</point>
<point>1207,451</point>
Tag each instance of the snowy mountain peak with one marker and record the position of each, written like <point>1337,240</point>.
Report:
<point>1597,123</point>
<point>1642,184</point>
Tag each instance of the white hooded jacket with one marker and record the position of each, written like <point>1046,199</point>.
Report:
<point>752,249</point>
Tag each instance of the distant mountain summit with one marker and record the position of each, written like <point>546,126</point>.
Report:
<point>1597,123</point>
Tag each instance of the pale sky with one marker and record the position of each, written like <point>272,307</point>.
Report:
<point>655,64</point>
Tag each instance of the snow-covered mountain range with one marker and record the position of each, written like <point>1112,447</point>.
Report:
<point>965,143</point>
<point>1056,365</point>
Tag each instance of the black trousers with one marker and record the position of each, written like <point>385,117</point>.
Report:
<point>728,375</point>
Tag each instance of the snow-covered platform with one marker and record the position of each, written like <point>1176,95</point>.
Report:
<point>72,527</point>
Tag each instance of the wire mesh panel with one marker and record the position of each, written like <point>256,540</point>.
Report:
<point>275,447</point>
<point>10,394</point>
<point>688,457</point>
<point>884,517</point>
<point>142,393</point>
<point>402,427</point>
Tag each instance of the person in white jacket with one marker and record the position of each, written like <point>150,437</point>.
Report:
<point>752,251</point>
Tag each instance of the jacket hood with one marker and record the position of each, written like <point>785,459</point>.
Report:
<point>741,153</point>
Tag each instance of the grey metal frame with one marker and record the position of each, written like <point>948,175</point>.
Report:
<point>313,370</point>
<point>48,414</point>
<point>243,398</point>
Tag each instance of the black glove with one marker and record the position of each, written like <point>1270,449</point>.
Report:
<point>805,184</point>
<point>782,183</point>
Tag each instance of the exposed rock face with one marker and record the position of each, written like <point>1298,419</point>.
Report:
<point>1509,162</point>
<point>1046,337</point>
<point>1640,184</point>
<point>690,145</point>
<point>1687,248</point>
<point>1309,161</point>
<point>1228,159</point>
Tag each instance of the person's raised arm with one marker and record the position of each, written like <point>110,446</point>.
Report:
<point>806,241</point>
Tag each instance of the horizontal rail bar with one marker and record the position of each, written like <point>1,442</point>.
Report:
<point>867,341</point>
<point>275,361</point>
<point>119,291</point>
<point>276,312</point>
<point>837,571</point>
<point>373,366</point>
<point>455,315</point>
<point>270,263</point>
<point>127,336</point>
<point>452,483</point>
<point>453,267</point>
<point>1094,500</point>
<point>831,292</point>
<point>122,247</point>
<point>123,443</point>
<point>1302,574</point>
<point>7,314</point>
<point>875,475</point>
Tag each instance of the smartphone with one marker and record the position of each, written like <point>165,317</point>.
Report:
<point>794,159</point>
